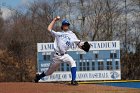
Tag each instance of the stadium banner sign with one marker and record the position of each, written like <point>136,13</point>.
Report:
<point>84,75</point>
<point>104,54</point>
<point>95,45</point>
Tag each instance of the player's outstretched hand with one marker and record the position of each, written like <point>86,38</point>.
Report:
<point>57,18</point>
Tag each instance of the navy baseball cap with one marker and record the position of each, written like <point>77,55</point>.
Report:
<point>65,22</point>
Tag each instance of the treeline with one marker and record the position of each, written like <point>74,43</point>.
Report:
<point>90,20</point>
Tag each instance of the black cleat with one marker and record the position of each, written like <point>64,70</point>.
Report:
<point>74,83</point>
<point>37,78</point>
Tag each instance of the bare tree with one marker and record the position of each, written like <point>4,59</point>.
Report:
<point>1,24</point>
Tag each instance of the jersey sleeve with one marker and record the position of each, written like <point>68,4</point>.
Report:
<point>75,39</point>
<point>54,33</point>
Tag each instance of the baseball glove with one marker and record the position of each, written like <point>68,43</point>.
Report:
<point>86,46</point>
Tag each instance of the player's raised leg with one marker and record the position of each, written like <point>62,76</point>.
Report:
<point>53,66</point>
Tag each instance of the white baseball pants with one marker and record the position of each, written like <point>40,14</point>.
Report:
<point>57,60</point>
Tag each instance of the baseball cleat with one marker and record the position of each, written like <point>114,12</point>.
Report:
<point>74,83</point>
<point>37,78</point>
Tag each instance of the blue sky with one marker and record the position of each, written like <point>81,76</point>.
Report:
<point>13,3</point>
<point>4,4</point>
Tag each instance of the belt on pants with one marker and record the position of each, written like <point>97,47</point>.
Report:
<point>60,54</point>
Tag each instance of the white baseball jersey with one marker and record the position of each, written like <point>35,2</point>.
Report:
<point>64,40</point>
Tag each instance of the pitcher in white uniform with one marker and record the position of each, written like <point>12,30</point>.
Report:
<point>63,41</point>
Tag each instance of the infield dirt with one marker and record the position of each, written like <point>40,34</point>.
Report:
<point>29,87</point>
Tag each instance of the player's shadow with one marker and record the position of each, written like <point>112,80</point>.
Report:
<point>65,83</point>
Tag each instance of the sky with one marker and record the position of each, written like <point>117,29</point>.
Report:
<point>4,4</point>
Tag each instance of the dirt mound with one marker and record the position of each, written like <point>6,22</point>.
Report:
<point>28,87</point>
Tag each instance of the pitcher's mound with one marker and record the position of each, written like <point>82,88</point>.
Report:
<point>28,87</point>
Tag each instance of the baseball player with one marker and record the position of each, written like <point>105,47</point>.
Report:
<point>63,41</point>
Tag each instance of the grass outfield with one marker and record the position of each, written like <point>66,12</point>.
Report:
<point>108,81</point>
<point>29,87</point>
